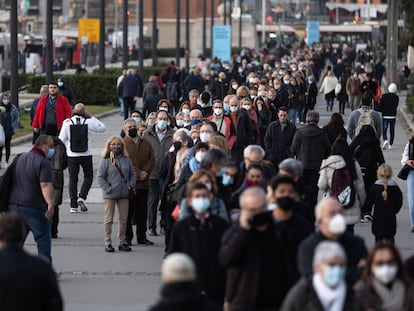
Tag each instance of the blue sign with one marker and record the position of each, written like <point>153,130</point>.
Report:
<point>312,32</point>
<point>222,42</point>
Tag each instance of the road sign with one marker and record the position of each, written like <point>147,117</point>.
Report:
<point>89,27</point>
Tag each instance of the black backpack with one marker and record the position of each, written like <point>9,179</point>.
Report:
<point>78,136</point>
<point>342,187</point>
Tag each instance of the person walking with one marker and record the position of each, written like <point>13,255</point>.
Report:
<point>51,111</point>
<point>32,192</point>
<point>9,119</point>
<point>328,89</point>
<point>386,198</point>
<point>353,90</point>
<point>129,89</point>
<point>115,176</point>
<point>26,282</point>
<point>142,156</point>
<point>78,149</point>
<point>388,107</point>
<point>408,159</point>
<point>311,145</point>
<point>384,284</point>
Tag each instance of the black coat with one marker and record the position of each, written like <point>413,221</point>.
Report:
<point>244,135</point>
<point>202,243</point>
<point>310,146</point>
<point>354,247</point>
<point>384,223</point>
<point>277,143</point>
<point>183,296</point>
<point>151,102</point>
<point>27,282</point>
<point>388,105</point>
<point>303,297</point>
<point>252,258</point>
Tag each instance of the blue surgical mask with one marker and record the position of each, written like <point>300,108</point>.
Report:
<point>162,124</point>
<point>227,180</point>
<point>226,107</point>
<point>223,170</point>
<point>234,108</point>
<point>200,205</point>
<point>195,122</point>
<point>333,275</point>
<point>50,153</point>
<point>137,120</point>
<point>180,123</point>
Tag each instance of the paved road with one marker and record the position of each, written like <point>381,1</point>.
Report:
<point>94,280</point>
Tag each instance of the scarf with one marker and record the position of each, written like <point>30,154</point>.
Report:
<point>392,299</point>
<point>38,150</point>
<point>332,299</point>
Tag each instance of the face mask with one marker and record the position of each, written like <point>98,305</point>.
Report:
<point>195,122</point>
<point>209,186</point>
<point>227,180</point>
<point>137,120</point>
<point>203,105</point>
<point>252,96</point>
<point>234,86</point>
<point>60,84</point>
<point>223,170</point>
<point>226,107</point>
<point>355,76</point>
<point>271,206</point>
<point>234,108</point>
<point>200,205</point>
<point>50,153</point>
<point>205,137</point>
<point>163,109</point>
<point>385,273</point>
<point>6,101</point>
<point>133,132</point>
<point>337,225</point>
<point>186,111</point>
<point>177,145</point>
<point>286,81</point>
<point>246,107</point>
<point>218,111</point>
<point>333,275</point>
<point>199,156</point>
<point>251,80</point>
<point>240,70</point>
<point>151,122</point>
<point>116,150</point>
<point>162,124</point>
<point>187,124</point>
<point>180,123</point>
<point>252,183</point>
<point>286,203</point>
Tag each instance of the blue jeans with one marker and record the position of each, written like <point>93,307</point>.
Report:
<point>391,124</point>
<point>329,103</point>
<point>36,222</point>
<point>292,115</point>
<point>410,195</point>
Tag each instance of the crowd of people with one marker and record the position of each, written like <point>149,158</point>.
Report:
<point>256,200</point>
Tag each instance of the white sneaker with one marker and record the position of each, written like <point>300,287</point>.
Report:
<point>74,210</point>
<point>385,145</point>
<point>389,147</point>
<point>82,204</point>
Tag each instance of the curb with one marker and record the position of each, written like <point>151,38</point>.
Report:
<point>407,118</point>
<point>28,137</point>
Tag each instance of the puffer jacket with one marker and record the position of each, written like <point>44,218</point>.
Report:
<point>328,166</point>
<point>109,179</point>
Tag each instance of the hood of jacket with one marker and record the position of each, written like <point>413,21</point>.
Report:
<point>391,182</point>
<point>312,130</point>
<point>333,161</point>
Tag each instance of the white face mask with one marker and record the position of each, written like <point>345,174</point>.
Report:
<point>234,86</point>
<point>205,137</point>
<point>163,108</point>
<point>60,84</point>
<point>199,156</point>
<point>218,111</point>
<point>385,273</point>
<point>247,107</point>
<point>6,101</point>
<point>337,225</point>
<point>252,96</point>
<point>286,81</point>
<point>186,111</point>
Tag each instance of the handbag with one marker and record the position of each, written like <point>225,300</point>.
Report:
<point>131,190</point>
<point>403,174</point>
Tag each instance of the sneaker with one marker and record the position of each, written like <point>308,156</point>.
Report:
<point>124,248</point>
<point>385,145</point>
<point>82,204</point>
<point>366,219</point>
<point>74,210</point>
<point>389,146</point>
<point>109,248</point>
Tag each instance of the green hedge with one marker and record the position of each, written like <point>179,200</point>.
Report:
<point>410,104</point>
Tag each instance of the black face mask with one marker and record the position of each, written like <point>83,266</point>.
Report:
<point>133,132</point>
<point>177,145</point>
<point>286,203</point>
<point>259,220</point>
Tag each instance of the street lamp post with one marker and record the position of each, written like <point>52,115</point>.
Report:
<point>154,33</point>
<point>187,35</point>
<point>49,39</point>
<point>211,27</point>
<point>177,33</point>
<point>14,73</point>
<point>102,37</point>
<point>141,39</point>
<point>204,26</point>
<point>125,51</point>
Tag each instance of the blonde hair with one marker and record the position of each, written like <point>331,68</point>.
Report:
<point>221,143</point>
<point>384,173</point>
<point>110,140</point>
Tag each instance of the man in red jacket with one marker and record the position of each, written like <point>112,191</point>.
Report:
<point>51,111</point>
